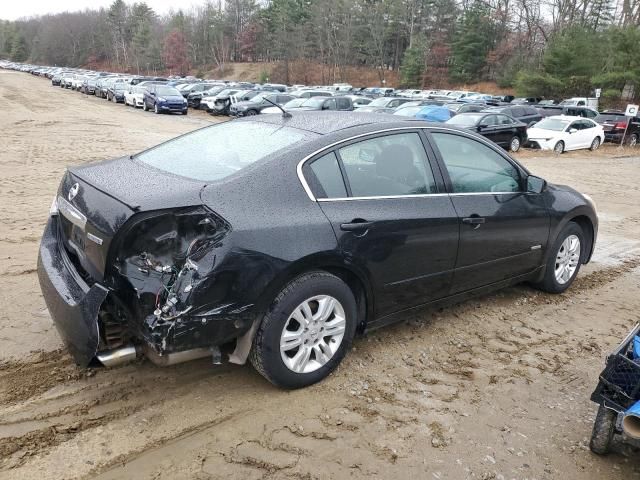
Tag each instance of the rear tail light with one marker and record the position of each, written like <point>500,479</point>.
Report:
<point>621,125</point>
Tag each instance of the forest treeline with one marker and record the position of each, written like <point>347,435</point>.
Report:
<point>551,48</point>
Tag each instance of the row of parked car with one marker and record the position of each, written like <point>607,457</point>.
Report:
<point>510,122</point>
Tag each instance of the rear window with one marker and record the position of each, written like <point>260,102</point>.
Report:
<point>610,117</point>
<point>215,152</point>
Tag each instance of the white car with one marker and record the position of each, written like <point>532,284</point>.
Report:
<point>134,97</point>
<point>561,133</point>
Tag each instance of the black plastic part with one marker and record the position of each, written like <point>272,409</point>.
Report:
<point>73,305</point>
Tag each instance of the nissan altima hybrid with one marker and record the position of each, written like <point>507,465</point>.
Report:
<point>278,238</point>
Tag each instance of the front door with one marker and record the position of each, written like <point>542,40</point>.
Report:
<point>503,228</point>
<point>391,220</point>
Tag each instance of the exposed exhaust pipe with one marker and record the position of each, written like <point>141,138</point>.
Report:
<point>113,358</point>
<point>631,421</point>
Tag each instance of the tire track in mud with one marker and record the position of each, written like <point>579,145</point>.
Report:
<point>432,388</point>
<point>397,403</point>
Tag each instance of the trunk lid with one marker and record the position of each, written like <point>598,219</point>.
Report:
<point>94,201</point>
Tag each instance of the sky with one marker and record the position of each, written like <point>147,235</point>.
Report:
<point>14,9</point>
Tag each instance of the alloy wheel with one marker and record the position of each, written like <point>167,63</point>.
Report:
<point>312,334</point>
<point>559,148</point>
<point>595,144</point>
<point>515,144</point>
<point>567,259</point>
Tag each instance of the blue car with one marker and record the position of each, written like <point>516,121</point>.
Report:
<point>162,98</point>
<point>430,113</point>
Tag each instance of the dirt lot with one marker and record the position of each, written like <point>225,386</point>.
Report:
<point>496,388</point>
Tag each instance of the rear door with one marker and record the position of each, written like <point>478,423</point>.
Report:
<point>390,215</point>
<point>503,228</point>
<point>490,129</point>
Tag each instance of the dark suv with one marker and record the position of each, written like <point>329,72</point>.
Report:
<point>573,111</point>
<point>614,123</point>
<point>524,113</point>
<point>161,99</point>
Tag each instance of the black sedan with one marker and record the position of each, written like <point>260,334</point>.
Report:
<point>282,236</point>
<point>501,129</point>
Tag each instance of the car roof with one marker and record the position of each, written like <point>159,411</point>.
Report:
<point>325,122</point>
<point>569,118</point>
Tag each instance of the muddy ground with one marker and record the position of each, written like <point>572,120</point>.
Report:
<point>495,388</point>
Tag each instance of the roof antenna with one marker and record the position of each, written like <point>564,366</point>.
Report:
<point>285,114</point>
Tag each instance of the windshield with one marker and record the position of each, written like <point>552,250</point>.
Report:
<point>314,102</point>
<point>408,111</point>
<point>556,124</point>
<point>465,119</point>
<point>379,102</point>
<point>296,102</point>
<point>167,91</point>
<point>261,96</point>
<point>216,152</point>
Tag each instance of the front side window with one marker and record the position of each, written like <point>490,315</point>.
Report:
<point>474,167</point>
<point>388,166</point>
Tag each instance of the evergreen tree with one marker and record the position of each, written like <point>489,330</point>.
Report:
<point>473,40</point>
<point>412,66</point>
<point>19,49</point>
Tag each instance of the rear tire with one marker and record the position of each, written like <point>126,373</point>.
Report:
<point>156,109</point>
<point>144,106</point>
<point>603,430</point>
<point>554,281</point>
<point>515,144</point>
<point>268,356</point>
<point>595,144</point>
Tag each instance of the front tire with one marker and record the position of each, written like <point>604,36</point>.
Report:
<point>633,140</point>
<point>565,258</point>
<point>559,148</point>
<point>306,332</point>
<point>144,106</point>
<point>603,430</point>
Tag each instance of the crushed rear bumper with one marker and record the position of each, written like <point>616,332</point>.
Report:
<point>73,304</point>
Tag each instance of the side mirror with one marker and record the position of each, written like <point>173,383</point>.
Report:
<point>536,184</point>
<point>573,130</point>
<point>482,126</point>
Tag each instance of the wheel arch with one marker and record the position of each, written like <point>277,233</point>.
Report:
<point>585,223</point>
<point>356,280</point>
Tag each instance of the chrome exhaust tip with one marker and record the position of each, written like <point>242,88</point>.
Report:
<point>119,356</point>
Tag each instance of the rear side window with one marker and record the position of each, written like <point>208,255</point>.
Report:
<point>517,112</point>
<point>474,167</point>
<point>392,165</point>
<point>328,179</point>
<point>216,152</point>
